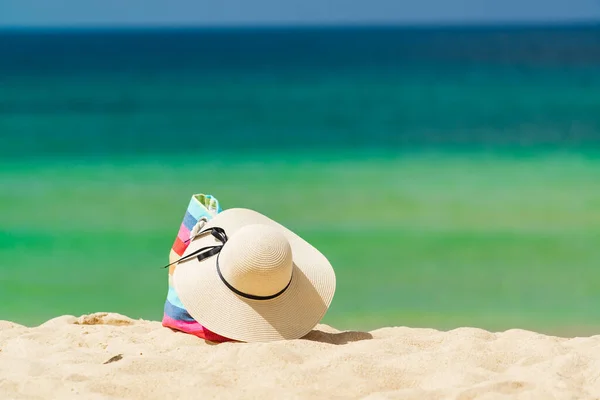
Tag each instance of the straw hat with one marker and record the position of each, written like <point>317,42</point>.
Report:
<point>250,279</point>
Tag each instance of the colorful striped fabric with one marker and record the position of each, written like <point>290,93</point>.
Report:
<point>175,316</point>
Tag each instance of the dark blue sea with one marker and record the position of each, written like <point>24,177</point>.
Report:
<point>65,92</point>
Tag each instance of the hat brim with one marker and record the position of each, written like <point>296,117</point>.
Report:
<point>290,315</point>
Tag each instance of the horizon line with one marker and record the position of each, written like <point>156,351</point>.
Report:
<point>571,23</point>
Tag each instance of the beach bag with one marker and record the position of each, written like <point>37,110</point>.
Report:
<point>201,209</point>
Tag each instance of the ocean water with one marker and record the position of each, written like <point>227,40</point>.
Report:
<point>105,92</point>
<point>451,174</point>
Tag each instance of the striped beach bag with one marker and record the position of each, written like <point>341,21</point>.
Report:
<point>200,208</point>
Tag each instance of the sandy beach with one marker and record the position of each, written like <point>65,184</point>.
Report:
<point>110,356</point>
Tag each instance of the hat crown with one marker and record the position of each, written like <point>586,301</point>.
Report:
<point>257,260</point>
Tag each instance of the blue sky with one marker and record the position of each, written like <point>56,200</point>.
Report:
<point>259,12</point>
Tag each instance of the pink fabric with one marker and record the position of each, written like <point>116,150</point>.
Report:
<point>184,233</point>
<point>193,328</point>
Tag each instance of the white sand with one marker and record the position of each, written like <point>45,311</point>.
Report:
<point>65,358</point>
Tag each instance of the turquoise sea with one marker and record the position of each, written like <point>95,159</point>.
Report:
<point>451,174</point>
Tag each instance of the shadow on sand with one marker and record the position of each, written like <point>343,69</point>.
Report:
<point>337,338</point>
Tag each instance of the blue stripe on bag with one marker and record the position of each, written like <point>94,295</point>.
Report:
<point>177,313</point>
